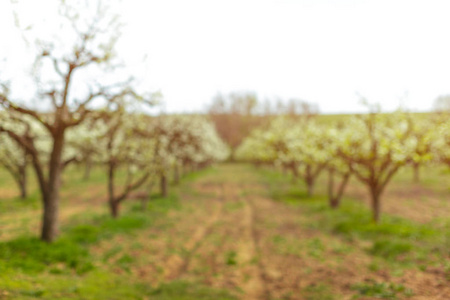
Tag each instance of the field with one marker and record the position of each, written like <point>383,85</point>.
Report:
<point>116,184</point>
<point>231,231</point>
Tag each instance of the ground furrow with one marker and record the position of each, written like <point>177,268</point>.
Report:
<point>176,265</point>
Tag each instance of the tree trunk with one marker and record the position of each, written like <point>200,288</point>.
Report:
<point>376,205</point>
<point>163,185</point>
<point>335,199</point>
<point>50,226</point>
<point>21,181</point>
<point>416,173</point>
<point>330,183</point>
<point>309,180</point>
<point>114,208</point>
<point>23,186</point>
<point>113,205</point>
<point>331,199</point>
<point>334,203</point>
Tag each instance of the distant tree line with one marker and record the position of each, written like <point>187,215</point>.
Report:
<point>237,114</point>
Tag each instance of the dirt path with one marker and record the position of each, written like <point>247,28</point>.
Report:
<point>255,287</point>
<point>176,265</point>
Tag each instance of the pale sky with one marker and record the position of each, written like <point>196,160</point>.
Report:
<point>394,52</point>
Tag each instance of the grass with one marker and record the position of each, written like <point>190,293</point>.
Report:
<point>30,255</point>
<point>313,248</point>
<point>390,249</point>
<point>381,290</point>
<point>179,290</point>
<point>318,292</point>
<point>72,269</point>
<point>394,245</point>
<point>231,258</point>
<point>394,239</point>
<point>67,269</point>
<point>101,285</point>
<point>69,256</point>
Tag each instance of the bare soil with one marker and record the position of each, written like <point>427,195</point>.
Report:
<point>229,235</point>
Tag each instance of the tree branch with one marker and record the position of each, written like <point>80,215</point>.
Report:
<point>133,186</point>
<point>24,142</point>
<point>384,182</point>
<point>11,167</point>
<point>69,161</point>
<point>5,102</point>
<point>343,184</point>
<point>56,67</point>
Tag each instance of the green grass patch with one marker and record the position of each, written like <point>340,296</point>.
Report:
<point>231,258</point>
<point>315,248</point>
<point>17,204</point>
<point>381,290</point>
<point>193,176</point>
<point>390,249</point>
<point>392,238</point>
<point>100,284</point>
<point>65,269</point>
<point>30,255</point>
<point>318,292</point>
<point>181,290</point>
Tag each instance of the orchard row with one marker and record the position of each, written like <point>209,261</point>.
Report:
<point>146,148</point>
<point>371,147</point>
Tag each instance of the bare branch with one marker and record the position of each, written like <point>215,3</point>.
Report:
<point>27,143</point>
<point>384,182</point>
<point>344,181</point>
<point>5,102</point>
<point>133,186</point>
<point>12,168</point>
<point>56,67</point>
<point>52,95</point>
<point>69,161</point>
<point>24,142</point>
<point>318,170</point>
<point>83,116</point>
